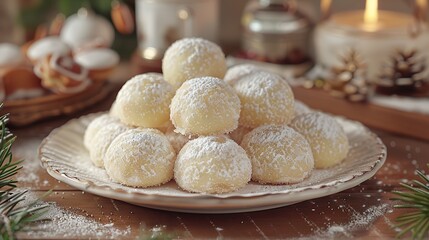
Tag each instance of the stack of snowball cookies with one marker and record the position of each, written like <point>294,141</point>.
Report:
<point>210,128</point>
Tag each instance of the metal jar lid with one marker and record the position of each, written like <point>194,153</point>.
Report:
<point>275,29</point>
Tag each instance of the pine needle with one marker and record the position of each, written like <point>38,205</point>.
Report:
<point>15,215</point>
<point>415,223</point>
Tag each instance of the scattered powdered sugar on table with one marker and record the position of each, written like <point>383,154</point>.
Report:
<point>30,165</point>
<point>357,222</point>
<point>66,224</point>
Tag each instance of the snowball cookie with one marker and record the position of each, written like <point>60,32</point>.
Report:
<point>238,71</point>
<point>190,58</point>
<point>266,98</point>
<point>205,106</point>
<point>300,108</point>
<point>238,134</point>
<point>140,158</point>
<point>176,139</point>
<point>327,138</point>
<point>279,154</point>
<point>95,126</point>
<point>212,164</point>
<point>144,101</point>
<point>113,111</point>
<point>102,140</point>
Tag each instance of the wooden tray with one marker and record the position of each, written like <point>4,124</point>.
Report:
<point>25,111</point>
<point>388,119</point>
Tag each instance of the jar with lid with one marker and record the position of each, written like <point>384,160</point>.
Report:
<point>276,31</point>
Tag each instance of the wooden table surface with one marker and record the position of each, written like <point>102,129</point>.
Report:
<point>361,212</point>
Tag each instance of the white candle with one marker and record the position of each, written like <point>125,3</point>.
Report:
<point>374,35</point>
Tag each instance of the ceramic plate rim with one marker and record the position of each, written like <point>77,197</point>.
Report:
<point>266,198</point>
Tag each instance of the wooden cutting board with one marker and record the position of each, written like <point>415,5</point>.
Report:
<point>388,119</point>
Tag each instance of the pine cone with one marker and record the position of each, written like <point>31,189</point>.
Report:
<point>404,75</point>
<point>349,80</point>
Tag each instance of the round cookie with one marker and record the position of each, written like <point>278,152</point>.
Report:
<point>266,98</point>
<point>300,108</point>
<point>144,101</point>
<point>279,154</point>
<point>177,140</point>
<point>238,71</point>
<point>213,164</point>
<point>327,138</point>
<point>190,58</point>
<point>238,134</point>
<point>95,126</point>
<point>140,158</point>
<point>205,106</point>
<point>113,111</point>
<point>102,140</point>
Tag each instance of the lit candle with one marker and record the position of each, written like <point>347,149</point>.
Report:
<point>422,9</point>
<point>374,35</point>
<point>325,5</point>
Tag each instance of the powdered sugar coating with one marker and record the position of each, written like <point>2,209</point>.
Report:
<point>266,98</point>
<point>190,58</point>
<point>238,71</point>
<point>300,108</point>
<point>95,126</point>
<point>205,106</point>
<point>140,158</point>
<point>238,134</point>
<point>176,139</point>
<point>114,111</point>
<point>144,101</point>
<point>102,140</point>
<point>213,164</point>
<point>327,138</point>
<point>279,154</point>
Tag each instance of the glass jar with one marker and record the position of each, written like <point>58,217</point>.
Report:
<point>276,31</point>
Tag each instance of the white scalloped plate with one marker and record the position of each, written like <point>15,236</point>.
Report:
<point>64,156</point>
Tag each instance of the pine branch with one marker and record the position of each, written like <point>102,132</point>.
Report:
<point>417,198</point>
<point>15,215</point>
<point>7,167</point>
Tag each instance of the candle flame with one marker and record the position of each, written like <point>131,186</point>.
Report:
<point>422,4</point>
<point>325,5</point>
<point>371,12</point>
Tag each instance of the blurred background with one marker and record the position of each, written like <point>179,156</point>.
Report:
<point>110,37</point>
<point>20,19</point>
